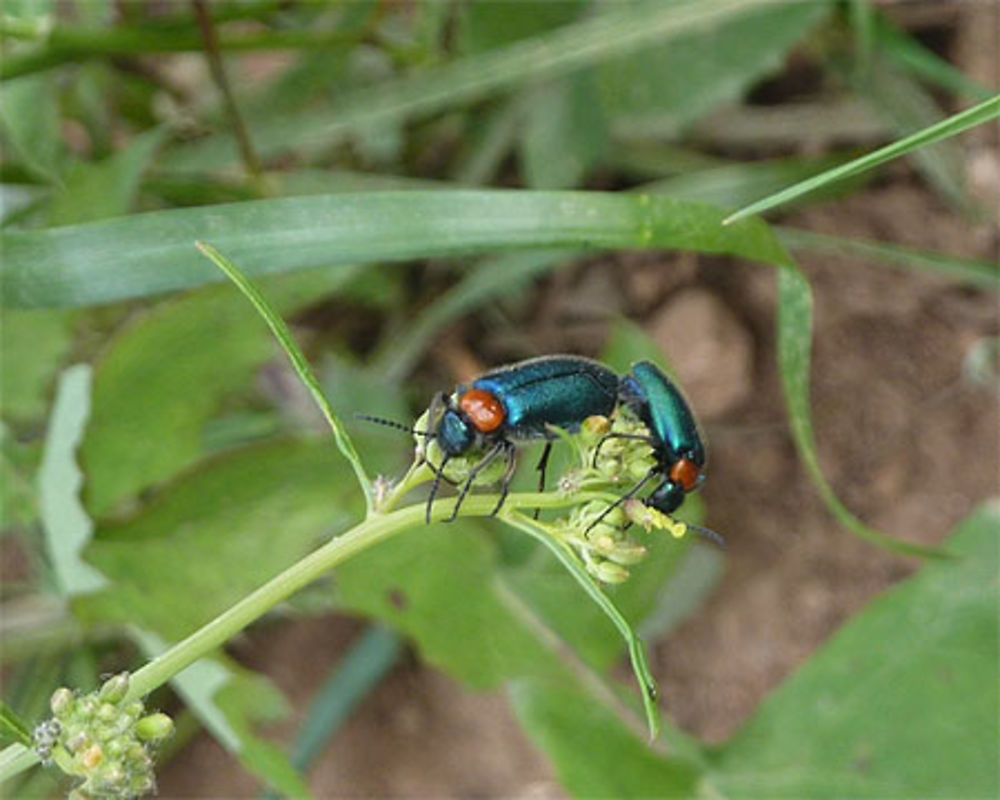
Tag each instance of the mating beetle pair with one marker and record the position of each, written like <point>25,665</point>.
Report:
<point>522,401</point>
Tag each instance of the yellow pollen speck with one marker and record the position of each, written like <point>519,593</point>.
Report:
<point>92,757</point>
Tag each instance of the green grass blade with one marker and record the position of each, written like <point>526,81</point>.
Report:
<point>491,278</point>
<point>795,316</point>
<point>982,273</point>
<point>637,654</point>
<point>145,254</point>
<point>15,759</point>
<point>570,47</point>
<point>12,727</point>
<point>295,355</point>
<point>364,666</point>
<point>910,54</point>
<point>954,125</point>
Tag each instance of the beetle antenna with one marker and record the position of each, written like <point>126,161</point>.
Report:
<point>390,423</point>
<point>707,533</point>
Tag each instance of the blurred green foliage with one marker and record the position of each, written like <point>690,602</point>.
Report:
<point>203,472</point>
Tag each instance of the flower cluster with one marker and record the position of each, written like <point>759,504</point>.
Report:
<point>104,739</point>
<point>613,453</point>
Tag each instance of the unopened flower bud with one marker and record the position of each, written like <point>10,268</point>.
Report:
<point>627,554</point>
<point>154,727</point>
<point>61,702</point>
<point>609,572</point>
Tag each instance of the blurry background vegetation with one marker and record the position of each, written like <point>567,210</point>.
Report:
<point>148,491</point>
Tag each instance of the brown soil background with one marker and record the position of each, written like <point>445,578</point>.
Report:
<point>906,439</point>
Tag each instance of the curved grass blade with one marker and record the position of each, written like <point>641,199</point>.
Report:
<point>15,759</point>
<point>954,125</point>
<point>295,355</point>
<point>146,254</point>
<point>637,654</point>
<point>359,673</point>
<point>982,273</point>
<point>794,357</point>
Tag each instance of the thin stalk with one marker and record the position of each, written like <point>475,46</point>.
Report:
<point>643,674</point>
<point>373,530</point>
<point>212,52</point>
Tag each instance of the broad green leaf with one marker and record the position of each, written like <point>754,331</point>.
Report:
<point>163,376</point>
<point>216,534</point>
<point>106,189</point>
<point>440,587</point>
<point>229,701</point>
<point>668,86</point>
<point>488,24</point>
<point>594,754</point>
<point>564,134</point>
<point>952,126</point>
<point>30,111</point>
<point>68,528</point>
<point>149,253</point>
<point>542,57</point>
<point>32,346</point>
<point>902,702</point>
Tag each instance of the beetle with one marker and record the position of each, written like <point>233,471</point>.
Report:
<point>674,437</point>
<point>516,403</point>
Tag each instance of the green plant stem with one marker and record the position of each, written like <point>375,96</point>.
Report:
<point>373,530</point>
<point>210,36</point>
<point>70,44</point>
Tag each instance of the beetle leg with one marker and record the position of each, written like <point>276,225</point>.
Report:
<point>543,464</point>
<point>627,496</point>
<point>486,460</point>
<point>507,477</point>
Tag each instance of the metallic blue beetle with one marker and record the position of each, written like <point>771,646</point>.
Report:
<point>513,404</point>
<point>673,436</point>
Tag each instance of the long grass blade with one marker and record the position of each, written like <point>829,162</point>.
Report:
<point>954,125</point>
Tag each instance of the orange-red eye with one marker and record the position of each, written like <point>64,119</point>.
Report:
<point>685,473</point>
<point>483,409</point>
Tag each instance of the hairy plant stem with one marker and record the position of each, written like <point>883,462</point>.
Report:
<point>376,528</point>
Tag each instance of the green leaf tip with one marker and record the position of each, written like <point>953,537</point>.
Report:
<point>298,359</point>
<point>952,126</point>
